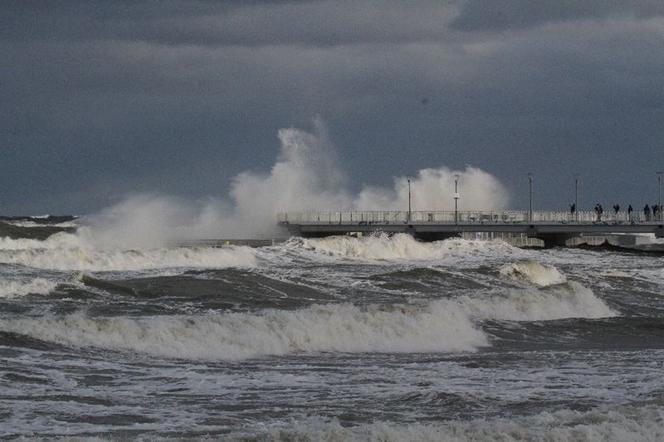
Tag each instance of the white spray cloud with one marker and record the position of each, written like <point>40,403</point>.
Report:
<point>305,177</point>
<point>433,189</point>
<point>151,221</point>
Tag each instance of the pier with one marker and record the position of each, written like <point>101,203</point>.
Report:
<point>554,228</point>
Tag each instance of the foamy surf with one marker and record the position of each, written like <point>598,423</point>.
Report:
<point>556,298</point>
<point>625,424</point>
<point>570,300</point>
<point>405,247</point>
<point>53,241</point>
<point>533,272</point>
<point>439,327</point>
<point>65,252</point>
<point>29,224</point>
<point>10,288</point>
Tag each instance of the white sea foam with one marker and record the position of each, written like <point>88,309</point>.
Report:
<point>64,251</point>
<point>10,288</point>
<point>321,328</point>
<point>570,300</point>
<point>440,326</point>
<point>28,223</point>
<point>533,272</point>
<point>626,424</point>
<point>25,243</point>
<point>557,298</point>
<point>405,247</point>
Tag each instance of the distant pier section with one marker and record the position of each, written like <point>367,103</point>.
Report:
<point>554,228</point>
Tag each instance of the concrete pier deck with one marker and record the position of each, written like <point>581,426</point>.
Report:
<point>555,228</point>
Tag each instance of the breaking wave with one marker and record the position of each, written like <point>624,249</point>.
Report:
<point>13,288</point>
<point>405,247</point>
<point>622,424</point>
<point>31,223</point>
<point>440,326</point>
<point>53,241</point>
<point>320,328</point>
<point>570,300</point>
<point>64,251</point>
<point>534,273</point>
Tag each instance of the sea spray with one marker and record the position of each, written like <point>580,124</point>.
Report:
<point>433,189</point>
<point>306,176</point>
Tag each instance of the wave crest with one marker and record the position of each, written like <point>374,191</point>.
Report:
<point>320,328</point>
<point>404,247</point>
<point>440,326</point>
<point>534,273</point>
<point>570,300</point>
<point>12,288</point>
<point>64,251</point>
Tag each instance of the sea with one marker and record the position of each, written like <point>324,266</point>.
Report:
<point>362,339</point>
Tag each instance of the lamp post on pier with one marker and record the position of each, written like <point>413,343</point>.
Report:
<point>659,195</point>
<point>456,199</point>
<point>530,197</point>
<point>409,200</point>
<point>576,197</point>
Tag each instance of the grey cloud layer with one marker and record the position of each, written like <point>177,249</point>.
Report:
<point>515,14</point>
<point>104,98</point>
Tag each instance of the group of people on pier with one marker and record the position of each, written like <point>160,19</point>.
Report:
<point>655,211</point>
<point>649,213</point>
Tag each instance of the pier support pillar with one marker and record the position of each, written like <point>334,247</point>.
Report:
<point>435,236</point>
<point>554,239</point>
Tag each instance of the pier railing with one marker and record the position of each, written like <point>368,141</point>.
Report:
<point>463,217</point>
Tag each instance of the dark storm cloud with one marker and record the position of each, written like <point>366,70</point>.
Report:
<point>228,23</point>
<point>104,98</point>
<point>478,15</point>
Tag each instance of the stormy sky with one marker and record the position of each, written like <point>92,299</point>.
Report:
<point>100,99</point>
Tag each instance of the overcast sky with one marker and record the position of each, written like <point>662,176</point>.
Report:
<point>100,99</point>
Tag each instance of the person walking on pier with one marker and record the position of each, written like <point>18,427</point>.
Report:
<point>598,211</point>
<point>629,212</point>
<point>655,211</point>
<point>646,212</point>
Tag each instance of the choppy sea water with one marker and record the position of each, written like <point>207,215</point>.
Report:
<point>330,339</point>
